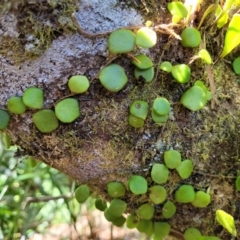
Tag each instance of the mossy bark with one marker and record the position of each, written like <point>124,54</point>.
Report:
<point>100,145</point>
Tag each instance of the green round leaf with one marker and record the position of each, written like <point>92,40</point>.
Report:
<point>161,230</point>
<point>166,66</point>
<point>113,77</point>
<point>142,61</point>
<point>194,98</point>
<point>177,9</point>
<point>45,120</point>
<point>185,169</point>
<point>16,105</point>
<point>172,159</point>
<point>116,189</point>
<point>158,118</point>
<point>132,221</point>
<point>146,211</point>
<point>82,193</point>
<point>119,221</point>
<point>33,97</point>
<point>157,194</point>
<point>185,194</point>
<point>161,106</point>
<point>169,209</point>
<point>146,37</point>
<point>78,84</point>
<point>191,37</point>
<point>192,233</point>
<point>201,199</point>
<point>4,119</point>
<point>137,184</point>
<point>108,215</point>
<point>159,173</point>
<point>135,121</point>
<point>117,207</point>
<point>236,65</point>
<point>100,204</point>
<point>237,183</point>
<point>147,74</point>
<point>121,41</point>
<point>67,110</point>
<point>181,73</point>
<point>145,226</point>
<point>139,109</point>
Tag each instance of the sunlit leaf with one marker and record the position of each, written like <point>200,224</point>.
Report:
<point>232,37</point>
<point>227,221</point>
<point>222,17</point>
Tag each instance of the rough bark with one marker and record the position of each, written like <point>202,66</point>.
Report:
<point>100,146</point>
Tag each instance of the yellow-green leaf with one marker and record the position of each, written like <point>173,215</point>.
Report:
<point>206,13</point>
<point>227,221</point>
<point>232,37</point>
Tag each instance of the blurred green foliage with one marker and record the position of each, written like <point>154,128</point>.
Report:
<point>32,196</point>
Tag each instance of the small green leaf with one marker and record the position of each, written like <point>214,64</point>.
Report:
<point>168,209</point>
<point>119,221</point>
<point>33,97</point>
<point>236,65</point>
<point>78,84</point>
<point>82,193</point>
<point>67,110</point>
<point>205,56</point>
<point>192,234</point>
<point>137,184</point>
<point>191,37</point>
<point>147,74</point>
<point>16,105</point>
<point>45,120</point>
<point>146,211</point>
<point>145,226</point>
<point>116,189</point>
<point>159,173</point>
<point>166,66</point>
<point>185,169</point>
<point>232,37</point>
<point>161,106</point>
<point>159,118</point>
<point>227,221</point>
<point>237,183</point>
<point>201,200</point>
<point>194,98</point>
<point>157,194</point>
<point>121,41</point>
<point>142,61</point>
<point>172,159</point>
<point>161,230</point>
<point>4,119</point>
<point>132,221</point>
<point>113,77</point>
<point>181,73</point>
<point>146,37</point>
<point>185,194</point>
<point>177,9</point>
<point>135,121</point>
<point>100,204</point>
<point>117,207</point>
<point>108,215</point>
<point>139,109</point>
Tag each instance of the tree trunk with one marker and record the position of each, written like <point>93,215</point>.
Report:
<point>40,47</point>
